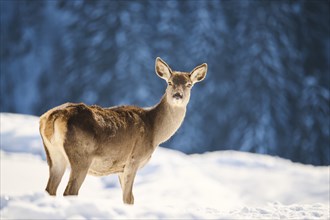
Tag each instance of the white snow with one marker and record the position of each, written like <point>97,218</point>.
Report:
<point>217,185</point>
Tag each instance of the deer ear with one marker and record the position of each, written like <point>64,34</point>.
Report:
<point>199,73</point>
<point>162,69</point>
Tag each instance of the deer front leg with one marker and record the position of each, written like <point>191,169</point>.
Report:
<point>126,180</point>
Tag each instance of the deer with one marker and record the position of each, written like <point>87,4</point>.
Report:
<point>115,140</point>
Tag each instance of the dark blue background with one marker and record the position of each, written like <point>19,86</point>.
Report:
<point>267,88</point>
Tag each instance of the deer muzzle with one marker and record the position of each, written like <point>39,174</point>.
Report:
<point>177,95</point>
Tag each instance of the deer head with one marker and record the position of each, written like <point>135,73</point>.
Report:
<point>179,84</point>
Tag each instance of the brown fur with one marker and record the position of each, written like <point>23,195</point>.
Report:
<point>102,141</point>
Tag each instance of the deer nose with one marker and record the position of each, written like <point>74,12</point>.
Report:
<point>178,95</point>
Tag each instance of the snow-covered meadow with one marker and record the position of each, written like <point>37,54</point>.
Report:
<point>216,185</point>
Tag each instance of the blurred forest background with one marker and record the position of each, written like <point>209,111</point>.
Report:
<point>268,83</point>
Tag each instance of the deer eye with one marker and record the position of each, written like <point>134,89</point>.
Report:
<point>170,83</point>
<point>188,85</point>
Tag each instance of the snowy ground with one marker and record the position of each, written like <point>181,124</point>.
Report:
<point>218,185</point>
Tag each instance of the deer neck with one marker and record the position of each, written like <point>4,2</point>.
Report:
<point>166,120</point>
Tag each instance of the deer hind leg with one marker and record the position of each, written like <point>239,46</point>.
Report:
<point>79,167</point>
<point>57,165</point>
<point>126,180</point>
<point>77,177</point>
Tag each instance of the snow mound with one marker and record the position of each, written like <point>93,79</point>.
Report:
<point>221,185</point>
<point>20,133</point>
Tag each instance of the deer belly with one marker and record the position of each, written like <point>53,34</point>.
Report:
<point>105,166</point>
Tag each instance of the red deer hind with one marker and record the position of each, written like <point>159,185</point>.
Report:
<point>101,141</point>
